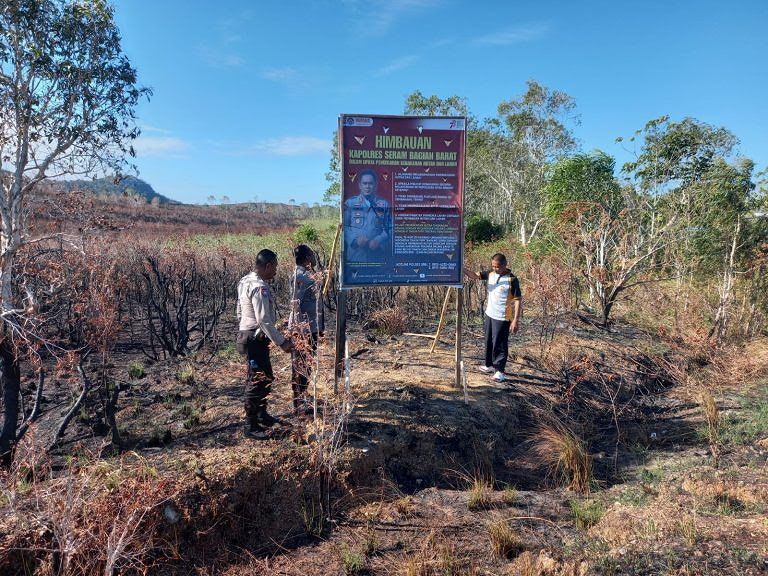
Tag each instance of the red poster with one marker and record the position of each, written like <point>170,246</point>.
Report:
<point>402,200</point>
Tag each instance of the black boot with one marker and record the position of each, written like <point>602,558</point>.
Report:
<point>265,418</point>
<point>258,432</point>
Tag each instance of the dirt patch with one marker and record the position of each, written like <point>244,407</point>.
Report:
<point>428,475</point>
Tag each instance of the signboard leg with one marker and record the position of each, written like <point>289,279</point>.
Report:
<point>441,323</point>
<point>459,316</point>
<point>341,338</point>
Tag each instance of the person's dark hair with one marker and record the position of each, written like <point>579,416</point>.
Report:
<point>368,172</point>
<point>265,257</point>
<point>500,258</point>
<point>303,253</point>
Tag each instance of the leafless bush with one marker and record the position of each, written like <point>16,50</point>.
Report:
<point>390,321</point>
<point>178,296</point>
<point>96,518</point>
<point>548,293</point>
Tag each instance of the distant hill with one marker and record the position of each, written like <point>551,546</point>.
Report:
<point>126,187</point>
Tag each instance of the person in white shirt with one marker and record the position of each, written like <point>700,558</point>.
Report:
<point>502,314</point>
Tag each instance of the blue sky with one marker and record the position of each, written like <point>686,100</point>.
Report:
<point>247,93</point>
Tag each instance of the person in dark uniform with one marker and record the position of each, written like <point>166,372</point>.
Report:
<point>256,312</point>
<point>306,323</point>
<point>367,222</point>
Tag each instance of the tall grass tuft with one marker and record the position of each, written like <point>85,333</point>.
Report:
<point>712,416</point>
<point>505,542</point>
<point>564,454</point>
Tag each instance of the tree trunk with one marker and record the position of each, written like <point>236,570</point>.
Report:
<point>10,379</point>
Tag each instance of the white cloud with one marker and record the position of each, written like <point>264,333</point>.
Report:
<point>376,18</point>
<point>287,146</point>
<point>281,75</point>
<point>220,51</point>
<point>396,65</point>
<point>515,35</point>
<point>168,146</point>
<point>220,57</point>
<point>153,129</point>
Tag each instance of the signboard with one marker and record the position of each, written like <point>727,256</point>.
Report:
<point>402,200</point>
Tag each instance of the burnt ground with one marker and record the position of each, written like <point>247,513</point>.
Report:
<point>426,479</point>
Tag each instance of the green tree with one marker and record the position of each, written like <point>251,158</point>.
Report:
<point>416,104</point>
<point>688,170</point>
<point>513,151</point>
<point>610,231</point>
<point>726,231</point>
<point>675,155</point>
<point>333,192</point>
<point>583,178</point>
<point>67,101</point>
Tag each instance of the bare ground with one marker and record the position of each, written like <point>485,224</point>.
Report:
<point>427,474</point>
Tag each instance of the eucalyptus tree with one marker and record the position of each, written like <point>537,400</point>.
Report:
<point>508,155</point>
<point>68,96</point>
<point>728,231</point>
<point>516,148</point>
<point>607,228</point>
<point>689,169</point>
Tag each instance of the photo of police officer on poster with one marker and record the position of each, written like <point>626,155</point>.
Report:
<point>402,200</point>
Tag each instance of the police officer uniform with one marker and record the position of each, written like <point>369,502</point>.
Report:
<point>369,217</point>
<point>307,320</point>
<point>257,312</point>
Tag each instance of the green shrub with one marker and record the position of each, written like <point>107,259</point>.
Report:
<point>307,234</point>
<point>186,375</point>
<point>136,369</point>
<point>481,229</point>
<point>587,513</point>
<point>353,561</point>
<point>229,352</point>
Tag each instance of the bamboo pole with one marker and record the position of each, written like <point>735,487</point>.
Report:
<point>330,262</point>
<point>441,323</point>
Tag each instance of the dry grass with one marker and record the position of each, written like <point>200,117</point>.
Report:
<point>738,366</point>
<point>479,494</point>
<point>564,454</point>
<point>96,518</point>
<point>390,321</point>
<point>505,542</point>
<point>435,557</point>
<point>712,416</point>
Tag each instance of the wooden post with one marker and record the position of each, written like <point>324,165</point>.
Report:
<point>341,338</point>
<point>441,323</point>
<point>459,315</point>
<point>464,382</point>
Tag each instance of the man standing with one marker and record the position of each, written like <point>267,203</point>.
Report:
<point>256,312</point>
<point>502,313</point>
<point>306,323</point>
<point>368,222</point>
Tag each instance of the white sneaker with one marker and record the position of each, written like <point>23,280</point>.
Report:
<point>485,369</point>
<point>499,377</point>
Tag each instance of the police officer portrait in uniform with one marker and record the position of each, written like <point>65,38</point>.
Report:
<point>256,312</point>
<point>367,222</point>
